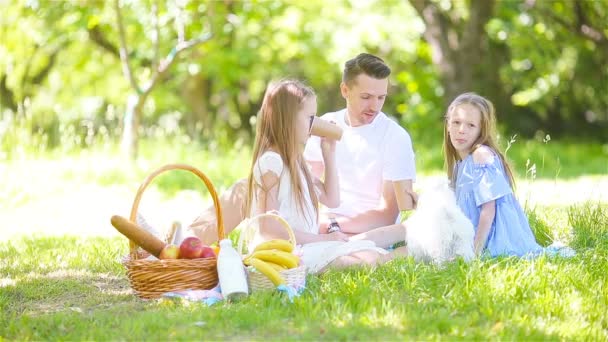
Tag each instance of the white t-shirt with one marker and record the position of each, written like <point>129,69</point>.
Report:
<point>316,255</point>
<point>366,156</point>
<point>307,222</point>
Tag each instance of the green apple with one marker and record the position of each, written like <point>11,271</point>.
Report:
<point>170,251</point>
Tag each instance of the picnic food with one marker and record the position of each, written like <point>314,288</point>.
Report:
<point>271,257</point>
<point>138,235</point>
<point>193,248</point>
<point>280,244</point>
<point>270,263</point>
<point>289,260</point>
<point>170,251</point>
<point>267,270</point>
<point>208,252</point>
<point>216,249</point>
<point>276,266</point>
<point>151,278</point>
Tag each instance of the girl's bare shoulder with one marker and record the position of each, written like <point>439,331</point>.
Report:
<point>483,155</point>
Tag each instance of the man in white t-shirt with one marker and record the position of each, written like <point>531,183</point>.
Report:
<point>373,153</point>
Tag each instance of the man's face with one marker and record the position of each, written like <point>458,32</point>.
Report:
<point>364,99</point>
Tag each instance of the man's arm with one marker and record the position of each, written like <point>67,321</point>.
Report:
<point>385,214</point>
<point>384,237</point>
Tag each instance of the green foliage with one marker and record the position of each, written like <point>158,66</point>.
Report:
<point>555,69</point>
<point>60,75</point>
<point>420,104</point>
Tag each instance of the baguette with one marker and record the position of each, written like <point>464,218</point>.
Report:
<point>138,235</point>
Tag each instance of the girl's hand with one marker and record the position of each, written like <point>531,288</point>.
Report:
<point>335,236</point>
<point>478,247</point>
<point>328,147</point>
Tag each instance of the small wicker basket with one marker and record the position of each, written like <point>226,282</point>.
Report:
<point>152,278</point>
<point>295,277</point>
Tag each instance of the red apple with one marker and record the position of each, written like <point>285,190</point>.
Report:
<point>170,251</point>
<point>208,252</point>
<point>191,248</point>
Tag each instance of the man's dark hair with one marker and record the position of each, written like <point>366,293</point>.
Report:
<point>365,63</point>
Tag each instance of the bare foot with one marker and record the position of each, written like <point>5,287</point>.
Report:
<point>398,252</point>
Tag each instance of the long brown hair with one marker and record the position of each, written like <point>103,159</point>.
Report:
<point>486,137</point>
<point>276,129</point>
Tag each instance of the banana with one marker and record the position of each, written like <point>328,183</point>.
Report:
<point>282,258</point>
<point>247,261</point>
<point>267,270</point>
<point>280,244</point>
<point>279,268</point>
<point>276,266</point>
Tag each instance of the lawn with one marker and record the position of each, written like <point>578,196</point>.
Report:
<point>61,279</point>
<point>71,288</point>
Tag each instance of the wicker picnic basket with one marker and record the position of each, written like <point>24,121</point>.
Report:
<point>152,278</point>
<point>257,281</point>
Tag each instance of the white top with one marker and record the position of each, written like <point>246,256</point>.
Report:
<point>272,162</point>
<point>366,156</point>
<point>316,255</point>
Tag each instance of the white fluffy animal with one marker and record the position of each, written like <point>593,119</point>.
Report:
<point>438,231</point>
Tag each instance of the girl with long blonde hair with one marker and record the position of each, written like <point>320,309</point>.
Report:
<point>482,179</point>
<point>279,180</point>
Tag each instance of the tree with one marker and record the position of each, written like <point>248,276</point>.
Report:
<point>540,62</point>
<point>159,69</point>
<point>458,41</point>
<point>563,48</point>
<point>33,58</point>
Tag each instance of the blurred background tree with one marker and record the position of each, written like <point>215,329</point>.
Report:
<point>62,85</point>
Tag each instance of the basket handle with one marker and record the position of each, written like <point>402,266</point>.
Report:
<point>246,225</point>
<point>168,167</point>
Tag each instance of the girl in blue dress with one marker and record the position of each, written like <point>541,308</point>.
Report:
<point>483,181</point>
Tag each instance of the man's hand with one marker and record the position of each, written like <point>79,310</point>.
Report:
<point>414,197</point>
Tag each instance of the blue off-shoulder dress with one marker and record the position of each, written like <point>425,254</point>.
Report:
<point>477,184</point>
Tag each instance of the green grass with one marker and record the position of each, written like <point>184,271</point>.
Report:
<point>68,288</point>
<point>48,174</point>
<point>591,225</point>
<point>74,288</point>
<point>559,159</point>
<point>549,160</point>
